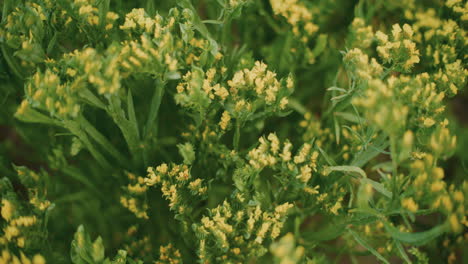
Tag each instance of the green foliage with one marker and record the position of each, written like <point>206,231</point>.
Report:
<point>233,131</point>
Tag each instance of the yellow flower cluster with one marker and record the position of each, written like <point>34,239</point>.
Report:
<point>99,70</point>
<point>360,66</point>
<point>300,19</point>
<point>285,250</point>
<point>399,50</point>
<point>45,91</point>
<point>133,205</point>
<point>442,141</point>
<point>9,258</point>
<point>169,255</point>
<point>19,32</point>
<point>361,35</point>
<point>442,38</point>
<point>298,16</point>
<point>20,229</point>
<point>139,247</point>
<point>421,92</point>
<point>458,7</point>
<point>132,199</point>
<point>144,55</point>
<point>377,98</point>
<point>249,91</point>
<point>237,232</point>
<point>449,200</point>
<point>270,153</point>
<point>314,130</point>
<point>259,79</point>
<point>89,13</point>
<point>138,20</point>
<point>59,88</point>
<point>177,185</point>
<point>451,78</point>
<point>409,204</point>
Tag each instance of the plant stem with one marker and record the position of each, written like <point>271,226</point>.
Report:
<point>394,165</point>
<point>237,135</point>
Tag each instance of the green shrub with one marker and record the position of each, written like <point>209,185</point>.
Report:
<point>240,131</point>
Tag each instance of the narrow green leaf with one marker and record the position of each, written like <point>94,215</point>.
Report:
<point>334,88</point>
<point>321,44</point>
<point>101,140</point>
<point>348,169</point>
<point>329,232</point>
<point>417,238</point>
<point>350,117</point>
<point>366,245</point>
<point>75,129</point>
<point>34,116</point>
<point>154,107</point>
<point>131,113</point>
<point>52,42</point>
<point>92,99</point>
<point>73,173</point>
<point>371,152</point>
<point>402,252</point>
<point>103,9</point>
<point>356,170</point>
<point>378,187</point>
<point>337,130</point>
<point>11,62</point>
<point>7,4</point>
<point>327,158</point>
<point>217,22</point>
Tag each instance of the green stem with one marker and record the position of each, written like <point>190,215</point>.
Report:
<point>237,135</point>
<point>75,128</point>
<point>126,127</point>
<point>394,164</point>
<point>101,139</point>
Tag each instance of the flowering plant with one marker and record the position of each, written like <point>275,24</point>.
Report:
<point>233,131</point>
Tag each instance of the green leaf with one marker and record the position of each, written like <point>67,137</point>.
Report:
<point>92,99</point>
<point>209,21</point>
<point>321,44</point>
<point>131,113</point>
<point>101,140</point>
<point>98,250</point>
<point>36,54</point>
<point>103,10</point>
<point>336,125</point>
<point>350,117</point>
<point>76,129</point>
<point>329,232</point>
<point>34,116</point>
<point>7,4</point>
<point>80,247</point>
<point>348,169</point>
<point>130,135</point>
<point>365,156</point>
<point>154,107</point>
<point>52,42</point>
<point>366,245</point>
<point>11,62</point>
<point>402,252</point>
<point>356,170</point>
<point>121,257</point>
<point>417,238</point>
<point>378,187</point>
<point>327,158</point>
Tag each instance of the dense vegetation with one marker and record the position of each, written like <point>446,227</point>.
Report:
<point>233,131</point>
